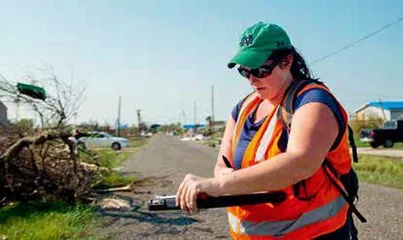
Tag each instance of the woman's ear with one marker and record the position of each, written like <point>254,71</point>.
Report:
<point>286,62</point>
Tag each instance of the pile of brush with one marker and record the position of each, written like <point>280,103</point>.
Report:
<point>44,166</point>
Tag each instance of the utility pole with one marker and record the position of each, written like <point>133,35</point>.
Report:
<point>184,117</point>
<point>118,121</point>
<point>138,117</point>
<point>194,116</point>
<point>212,110</point>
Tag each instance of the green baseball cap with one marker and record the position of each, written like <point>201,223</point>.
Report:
<point>257,43</point>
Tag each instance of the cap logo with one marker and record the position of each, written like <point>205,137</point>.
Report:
<point>246,40</point>
<point>280,43</point>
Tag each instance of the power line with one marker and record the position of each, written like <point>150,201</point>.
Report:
<point>368,93</point>
<point>357,42</point>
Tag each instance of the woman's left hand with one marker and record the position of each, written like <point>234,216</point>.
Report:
<point>191,187</point>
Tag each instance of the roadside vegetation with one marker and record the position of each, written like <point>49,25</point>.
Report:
<point>47,220</point>
<point>55,219</point>
<point>112,160</point>
<point>387,171</point>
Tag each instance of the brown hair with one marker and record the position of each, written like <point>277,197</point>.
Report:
<point>299,68</point>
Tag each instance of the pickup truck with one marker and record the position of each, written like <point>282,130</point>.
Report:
<point>388,135</point>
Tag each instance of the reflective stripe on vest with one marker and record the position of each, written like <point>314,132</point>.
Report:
<point>249,105</point>
<point>266,139</point>
<point>251,97</point>
<point>280,228</point>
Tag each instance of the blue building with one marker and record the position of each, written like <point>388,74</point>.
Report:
<point>387,110</point>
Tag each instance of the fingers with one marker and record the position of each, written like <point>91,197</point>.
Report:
<point>191,197</point>
<point>187,194</point>
<point>193,201</point>
<point>179,193</point>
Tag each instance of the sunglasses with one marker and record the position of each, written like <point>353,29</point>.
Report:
<point>260,72</point>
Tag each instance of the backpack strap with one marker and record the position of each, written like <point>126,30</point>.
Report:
<point>352,144</point>
<point>286,107</point>
<point>334,178</point>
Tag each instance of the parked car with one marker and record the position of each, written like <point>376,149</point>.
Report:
<point>388,135</point>
<point>102,139</point>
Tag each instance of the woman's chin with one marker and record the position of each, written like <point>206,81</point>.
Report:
<point>263,94</point>
<point>267,96</point>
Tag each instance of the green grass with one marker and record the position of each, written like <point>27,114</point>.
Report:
<point>37,220</point>
<point>112,159</point>
<point>358,143</point>
<point>386,171</point>
<point>114,179</point>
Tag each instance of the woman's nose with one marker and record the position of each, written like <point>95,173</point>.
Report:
<point>253,79</point>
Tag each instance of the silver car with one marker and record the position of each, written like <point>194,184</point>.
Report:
<point>102,140</point>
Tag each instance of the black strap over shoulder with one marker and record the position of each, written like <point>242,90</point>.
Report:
<point>327,165</point>
<point>352,144</point>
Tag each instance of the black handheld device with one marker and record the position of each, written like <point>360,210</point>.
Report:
<point>162,203</point>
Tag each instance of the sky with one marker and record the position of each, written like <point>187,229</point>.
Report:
<point>164,57</point>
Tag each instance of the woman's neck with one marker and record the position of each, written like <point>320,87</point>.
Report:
<point>279,97</point>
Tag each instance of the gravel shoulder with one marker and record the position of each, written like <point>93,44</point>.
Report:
<point>162,164</point>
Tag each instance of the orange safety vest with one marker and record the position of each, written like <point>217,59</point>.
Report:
<point>324,212</point>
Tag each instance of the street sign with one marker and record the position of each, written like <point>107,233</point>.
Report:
<point>32,91</point>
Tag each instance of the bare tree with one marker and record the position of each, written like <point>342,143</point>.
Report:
<point>62,102</point>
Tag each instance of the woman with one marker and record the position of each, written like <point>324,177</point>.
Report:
<point>266,156</point>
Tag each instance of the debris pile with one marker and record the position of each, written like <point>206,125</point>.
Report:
<point>46,166</point>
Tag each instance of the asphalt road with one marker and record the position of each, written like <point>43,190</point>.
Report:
<point>164,162</point>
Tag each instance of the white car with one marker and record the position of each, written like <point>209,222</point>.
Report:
<point>102,139</point>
